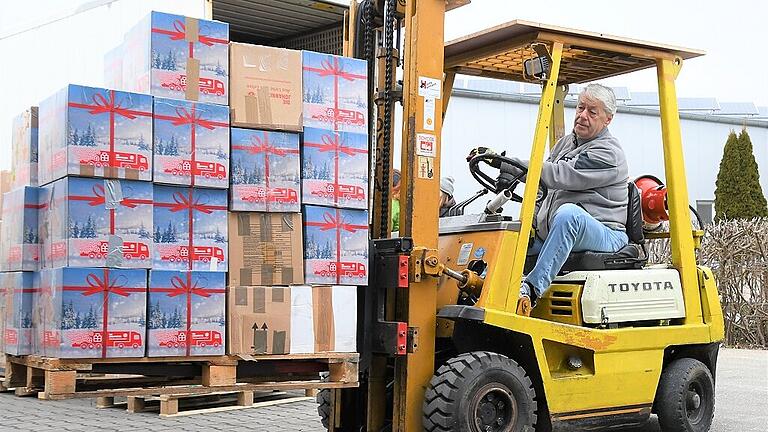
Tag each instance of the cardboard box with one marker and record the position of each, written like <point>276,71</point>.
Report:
<point>335,92</point>
<point>19,289</point>
<point>4,290</point>
<point>265,87</point>
<point>24,149</point>
<point>186,313</point>
<point>191,144</point>
<point>94,132</point>
<point>5,186</point>
<point>19,234</point>
<point>334,168</point>
<point>265,249</point>
<point>97,223</point>
<point>292,320</point>
<point>164,52</point>
<point>335,246</point>
<point>190,229</point>
<point>91,313</point>
<point>265,171</point>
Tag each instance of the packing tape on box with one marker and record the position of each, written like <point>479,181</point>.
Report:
<point>113,194</point>
<point>115,251</point>
<point>322,308</point>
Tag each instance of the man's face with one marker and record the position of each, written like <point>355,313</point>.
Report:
<point>591,117</point>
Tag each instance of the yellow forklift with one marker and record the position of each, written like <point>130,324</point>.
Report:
<point>612,341</point>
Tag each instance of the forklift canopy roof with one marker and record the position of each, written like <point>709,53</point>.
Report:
<point>499,52</point>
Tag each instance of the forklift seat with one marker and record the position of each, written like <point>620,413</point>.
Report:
<point>631,256</point>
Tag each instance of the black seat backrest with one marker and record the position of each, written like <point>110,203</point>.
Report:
<point>634,215</point>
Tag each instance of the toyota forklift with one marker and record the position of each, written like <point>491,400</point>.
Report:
<point>614,338</point>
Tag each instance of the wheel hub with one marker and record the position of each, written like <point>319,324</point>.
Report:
<point>494,409</point>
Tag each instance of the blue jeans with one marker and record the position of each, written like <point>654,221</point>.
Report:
<point>572,229</point>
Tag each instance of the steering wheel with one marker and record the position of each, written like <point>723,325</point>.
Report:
<point>511,173</point>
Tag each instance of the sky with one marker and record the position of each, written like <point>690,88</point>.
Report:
<point>732,34</point>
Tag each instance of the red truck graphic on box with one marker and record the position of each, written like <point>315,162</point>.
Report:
<point>344,269</point>
<point>130,250</point>
<point>11,337</point>
<point>51,339</point>
<point>341,116</point>
<point>197,338</point>
<point>277,195</point>
<point>345,191</point>
<point>114,339</point>
<point>202,253</point>
<point>122,160</point>
<point>202,168</point>
<point>206,85</point>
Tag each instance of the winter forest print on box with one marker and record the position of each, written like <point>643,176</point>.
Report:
<point>265,171</point>
<point>186,313</point>
<point>335,246</point>
<point>96,133</point>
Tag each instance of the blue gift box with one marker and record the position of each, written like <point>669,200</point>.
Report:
<point>24,149</point>
<point>187,313</point>
<point>190,229</point>
<point>95,132</point>
<point>19,240</point>
<point>265,171</point>
<point>191,143</point>
<point>97,223</point>
<point>335,246</point>
<point>91,313</point>
<point>164,51</point>
<point>18,289</point>
<point>335,92</point>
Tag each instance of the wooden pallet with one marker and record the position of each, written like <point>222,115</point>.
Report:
<point>176,405</point>
<point>54,378</point>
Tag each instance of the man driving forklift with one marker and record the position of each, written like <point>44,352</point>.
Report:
<point>585,208</point>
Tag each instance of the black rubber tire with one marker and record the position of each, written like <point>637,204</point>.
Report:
<point>323,399</point>
<point>456,395</point>
<point>675,399</point>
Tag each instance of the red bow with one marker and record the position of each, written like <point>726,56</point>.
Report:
<point>98,285</point>
<point>101,105</point>
<point>181,287</point>
<point>183,203</point>
<point>264,146</point>
<point>185,117</point>
<point>335,145</point>
<point>335,69</point>
<point>332,222</point>
<point>181,33</point>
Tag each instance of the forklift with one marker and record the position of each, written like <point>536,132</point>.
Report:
<point>614,338</point>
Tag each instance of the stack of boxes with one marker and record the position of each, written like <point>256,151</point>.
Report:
<point>148,200</point>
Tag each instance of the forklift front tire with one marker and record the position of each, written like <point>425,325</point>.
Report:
<point>685,400</point>
<point>478,392</point>
<point>323,399</point>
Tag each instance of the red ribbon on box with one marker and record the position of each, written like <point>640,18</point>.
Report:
<point>192,119</point>
<point>331,222</point>
<point>189,203</point>
<point>105,286</point>
<point>334,144</point>
<point>98,199</point>
<point>179,32</point>
<point>100,106</point>
<point>187,288</point>
<point>259,146</point>
<point>334,69</point>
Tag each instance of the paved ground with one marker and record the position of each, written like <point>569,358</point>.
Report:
<point>742,406</point>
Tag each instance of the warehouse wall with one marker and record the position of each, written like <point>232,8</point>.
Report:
<point>71,49</point>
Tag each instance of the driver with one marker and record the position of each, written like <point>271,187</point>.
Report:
<point>585,209</point>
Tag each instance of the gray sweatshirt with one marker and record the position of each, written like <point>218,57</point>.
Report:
<point>592,174</point>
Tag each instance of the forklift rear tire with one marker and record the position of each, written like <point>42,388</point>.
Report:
<point>323,399</point>
<point>685,400</point>
<point>480,392</point>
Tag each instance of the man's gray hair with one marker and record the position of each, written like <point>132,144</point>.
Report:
<point>603,94</point>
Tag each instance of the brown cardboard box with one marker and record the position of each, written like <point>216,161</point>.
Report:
<point>259,320</point>
<point>265,87</point>
<point>265,249</point>
<point>292,320</point>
